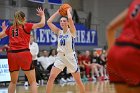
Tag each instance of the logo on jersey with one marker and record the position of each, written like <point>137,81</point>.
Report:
<point>63,39</point>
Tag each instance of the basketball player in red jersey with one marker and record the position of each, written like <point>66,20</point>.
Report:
<point>19,55</point>
<point>124,52</point>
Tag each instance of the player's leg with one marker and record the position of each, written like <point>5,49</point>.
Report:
<point>26,64</point>
<point>72,67</point>
<point>54,73</point>
<point>77,78</point>
<point>96,70</point>
<point>14,70</point>
<point>93,70</point>
<point>13,82</point>
<point>100,67</point>
<point>32,80</point>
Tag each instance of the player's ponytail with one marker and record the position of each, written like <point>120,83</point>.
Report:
<point>19,18</point>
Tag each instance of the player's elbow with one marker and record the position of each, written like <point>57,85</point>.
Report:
<point>110,28</point>
<point>1,35</point>
<point>48,22</point>
<point>42,24</point>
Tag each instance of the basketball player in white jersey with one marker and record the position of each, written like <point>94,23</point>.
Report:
<point>66,54</point>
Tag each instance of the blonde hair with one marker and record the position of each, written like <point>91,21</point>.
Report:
<point>19,18</point>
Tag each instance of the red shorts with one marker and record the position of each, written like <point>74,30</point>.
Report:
<point>87,70</point>
<point>19,60</point>
<point>123,65</point>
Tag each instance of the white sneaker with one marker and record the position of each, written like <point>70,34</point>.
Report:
<point>37,84</point>
<point>26,83</point>
<point>42,82</point>
<point>62,80</point>
<point>94,79</point>
<point>69,80</point>
<point>62,84</point>
<point>106,78</point>
<point>72,79</point>
<point>26,87</point>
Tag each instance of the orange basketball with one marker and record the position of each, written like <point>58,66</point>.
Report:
<point>63,9</point>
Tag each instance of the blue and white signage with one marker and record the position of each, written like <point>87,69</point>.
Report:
<point>45,36</point>
<point>58,2</point>
<point>37,1</point>
<point>4,70</point>
<point>4,90</point>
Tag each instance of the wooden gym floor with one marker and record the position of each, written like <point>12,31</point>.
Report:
<point>71,87</point>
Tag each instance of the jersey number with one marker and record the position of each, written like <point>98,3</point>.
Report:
<point>136,11</point>
<point>62,42</point>
<point>15,32</point>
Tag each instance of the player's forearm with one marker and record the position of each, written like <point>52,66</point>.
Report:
<point>110,37</point>
<point>2,34</point>
<point>50,20</point>
<point>69,14</point>
<point>42,21</point>
<point>85,63</point>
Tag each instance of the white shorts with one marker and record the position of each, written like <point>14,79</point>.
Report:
<point>67,60</point>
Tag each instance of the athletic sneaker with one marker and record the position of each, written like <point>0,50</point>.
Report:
<point>26,83</point>
<point>94,79</point>
<point>62,80</point>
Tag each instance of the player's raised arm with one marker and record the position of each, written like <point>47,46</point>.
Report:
<point>114,25</point>
<point>40,13</point>
<point>4,27</point>
<point>71,23</point>
<point>51,25</point>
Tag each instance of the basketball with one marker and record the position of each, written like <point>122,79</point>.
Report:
<point>63,9</point>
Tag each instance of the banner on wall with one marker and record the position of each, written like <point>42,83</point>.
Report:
<point>4,70</point>
<point>44,36</point>
<point>4,90</point>
<point>85,37</point>
<point>58,2</point>
<point>38,1</point>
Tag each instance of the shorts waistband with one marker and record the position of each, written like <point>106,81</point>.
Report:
<point>16,51</point>
<point>127,44</point>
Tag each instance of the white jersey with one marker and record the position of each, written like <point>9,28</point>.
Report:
<point>66,56</point>
<point>65,42</point>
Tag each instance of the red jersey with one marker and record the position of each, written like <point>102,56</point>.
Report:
<point>131,30</point>
<point>80,59</point>
<point>19,38</point>
<point>87,59</point>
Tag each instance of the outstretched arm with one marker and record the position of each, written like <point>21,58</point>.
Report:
<point>71,23</point>
<point>114,25</point>
<point>4,27</point>
<point>51,25</point>
<point>40,12</point>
